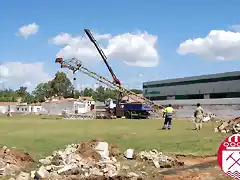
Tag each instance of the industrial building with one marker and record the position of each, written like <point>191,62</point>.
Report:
<point>213,86</point>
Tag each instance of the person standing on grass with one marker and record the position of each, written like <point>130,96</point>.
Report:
<point>168,114</point>
<point>198,114</point>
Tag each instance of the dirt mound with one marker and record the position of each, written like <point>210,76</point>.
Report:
<point>114,150</point>
<point>11,156</point>
<point>11,161</point>
<point>86,149</point>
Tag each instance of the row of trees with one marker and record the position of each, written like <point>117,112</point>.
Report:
<point>60,86</point>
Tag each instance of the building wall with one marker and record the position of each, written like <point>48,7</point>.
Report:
<point>23,109</point>
<point>185,88</point>
<point>36,109</point>
<point>56,108</point>
<point>203,88</point>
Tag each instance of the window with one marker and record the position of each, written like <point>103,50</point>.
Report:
<point>190,96</point>
<point>158,98</point>
<point>25,109</point>
<point>17,108</point>
<point>199,96</point>
<point>229,78</point>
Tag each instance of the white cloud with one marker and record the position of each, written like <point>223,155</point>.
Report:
<point>218,45</point>
<point>137,49</point>
<point>17,74</point>
<point>28,30</point>
<point>236,27</point>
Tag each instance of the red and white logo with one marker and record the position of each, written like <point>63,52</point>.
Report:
<point>229,156</point>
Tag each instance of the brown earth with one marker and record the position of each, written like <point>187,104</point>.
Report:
<point>12,156</point>
<point>86,149</point>
<point>196,168</point>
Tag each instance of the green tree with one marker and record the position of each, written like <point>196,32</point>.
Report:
<point>61,85</point>
<point>87,92</point>
<point>77,94</point>
<point>109,93</point>
<point>22,91</point>
<point>8,95</point>
<point>43,90</point>
<point>137,91</point>
<point>100,92</point>
<point>29,99</point>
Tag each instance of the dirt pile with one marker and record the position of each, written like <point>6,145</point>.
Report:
<point>231,126</point>
<point>11,161</point>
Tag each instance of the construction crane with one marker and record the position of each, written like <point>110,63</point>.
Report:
<point>104,57</point>
<point>75,65</point>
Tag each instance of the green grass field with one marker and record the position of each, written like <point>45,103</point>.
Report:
<point>40,136</point>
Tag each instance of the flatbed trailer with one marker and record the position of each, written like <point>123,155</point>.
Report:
<point>136,110</point>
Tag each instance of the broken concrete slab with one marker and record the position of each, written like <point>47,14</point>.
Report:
<point>23,176</point>
<point>231,126</point>
<point>159,160</point>
<point>42,173</point>
<point>129,153</point>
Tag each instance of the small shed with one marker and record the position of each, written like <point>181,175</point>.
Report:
<point>36,107</point>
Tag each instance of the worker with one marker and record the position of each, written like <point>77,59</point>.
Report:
<point>168,114</point>
<point>198,114</point>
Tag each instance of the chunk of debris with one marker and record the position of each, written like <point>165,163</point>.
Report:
<point>23,176</point>
<point>129,153</point>
<point>231,126</point>
<point>211,117</point>
<point>42,173</point>
<point>159,160</point>
<point>132,174</point>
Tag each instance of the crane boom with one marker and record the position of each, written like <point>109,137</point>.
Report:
<point>75,65</point>
<point>104,57</point>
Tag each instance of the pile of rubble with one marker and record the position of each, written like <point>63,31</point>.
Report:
<point>231,126</point>
<point>153,156</point>
<point>93,159</point>
<point>159,160</point>
<point>211,117</point>
<point>88,159</point>
<point>11,161</point>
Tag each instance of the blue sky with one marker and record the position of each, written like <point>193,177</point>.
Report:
<point>172,22</point>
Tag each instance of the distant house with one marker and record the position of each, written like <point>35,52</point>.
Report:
<point>132,98</point>
<point>56,106</point>
<point>8,106</point>
<point>90,101</point>
<point>36,107</point>
<point>23,108</point>
<point>28,108</point>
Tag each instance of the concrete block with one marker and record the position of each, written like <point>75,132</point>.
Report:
<point>23,176</point>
